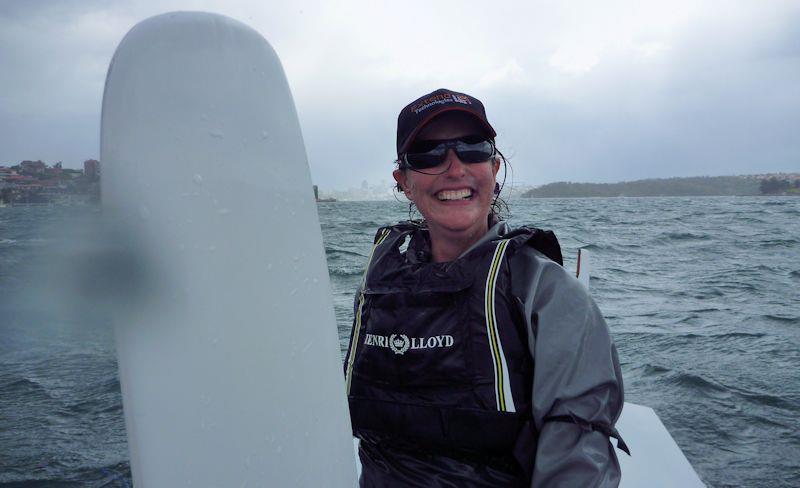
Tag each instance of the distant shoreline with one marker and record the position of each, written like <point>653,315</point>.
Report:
<point>745,185</point>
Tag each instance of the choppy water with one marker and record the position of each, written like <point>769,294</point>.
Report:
<point>701,295</point>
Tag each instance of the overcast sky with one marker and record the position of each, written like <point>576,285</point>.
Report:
<point>577,91</point>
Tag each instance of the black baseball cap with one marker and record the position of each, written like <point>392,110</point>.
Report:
<point>418,113</point>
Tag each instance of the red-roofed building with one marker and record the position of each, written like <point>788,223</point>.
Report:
<point>18,179</point>
<point>32,167</point>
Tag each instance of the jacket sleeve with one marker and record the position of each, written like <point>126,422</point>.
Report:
<point>577,383</point>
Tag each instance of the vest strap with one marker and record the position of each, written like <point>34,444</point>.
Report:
<point>503,396</point>
<point>593,426</point>
<point>357,325</point>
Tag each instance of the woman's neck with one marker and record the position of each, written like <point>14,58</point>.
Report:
<point>448,246</point>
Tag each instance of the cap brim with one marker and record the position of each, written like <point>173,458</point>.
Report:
<point>489,129</point>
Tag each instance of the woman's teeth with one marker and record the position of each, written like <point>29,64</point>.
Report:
<point>454,194</point>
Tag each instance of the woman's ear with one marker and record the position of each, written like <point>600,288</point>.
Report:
<point>402,180</point>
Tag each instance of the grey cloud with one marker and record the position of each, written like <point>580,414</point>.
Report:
<point>52,79</point>
<point>722,99</point>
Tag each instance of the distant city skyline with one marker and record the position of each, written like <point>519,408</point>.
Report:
<point>578,91</point>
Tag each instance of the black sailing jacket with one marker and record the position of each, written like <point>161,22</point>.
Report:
<point>440,371</point>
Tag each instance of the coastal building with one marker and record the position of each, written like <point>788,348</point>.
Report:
<point>36,183</point>
<point>91,169</point>
<point>32,167</point>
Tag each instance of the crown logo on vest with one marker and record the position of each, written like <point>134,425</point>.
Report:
<point>399,344</point>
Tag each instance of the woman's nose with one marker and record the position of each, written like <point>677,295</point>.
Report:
<point>455,165</point>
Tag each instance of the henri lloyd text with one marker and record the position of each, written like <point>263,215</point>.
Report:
<point>400,343</point>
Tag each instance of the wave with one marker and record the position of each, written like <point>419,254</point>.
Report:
<point>715,289</point>
<point>765,399</point>
<point>654,370</point>
<point>729,335</point>
<point>113,475</point>
<point>708,293</point>
<point>672,338</point>
<point>705,310</point>
<point>697,383</point>
<point>97,405</point>
<point>331,251</point>
<point>700,384</point>
<point>111,384</point>
<point>337,271</point>
<point>43,482</point>
<point>737,286</point>
<point>626,271</point>
<point>779,243</point>
<point>654,313</point>
<point>780,318</point>
<point>686,236</point>
<point>745,219</point>
<point>629,246</point>
<point>22,387</point>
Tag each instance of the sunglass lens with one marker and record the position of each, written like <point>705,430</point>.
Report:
<point>474,153</point>
<point>425,160</point>
<point>426,154</point>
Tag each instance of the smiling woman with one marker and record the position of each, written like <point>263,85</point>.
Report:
<point>440,368</point>
<point>455,194</point>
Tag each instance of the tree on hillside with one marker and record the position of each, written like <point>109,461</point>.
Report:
<point>773,186</point>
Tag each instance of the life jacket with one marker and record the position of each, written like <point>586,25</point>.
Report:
<point>438,357</point>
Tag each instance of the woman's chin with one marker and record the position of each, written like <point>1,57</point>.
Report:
<point>458,218</point>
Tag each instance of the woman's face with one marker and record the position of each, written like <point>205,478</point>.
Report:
<point>455,203</point>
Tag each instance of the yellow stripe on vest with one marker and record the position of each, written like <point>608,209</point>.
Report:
<point>505,401</point>
<point>357,326</point>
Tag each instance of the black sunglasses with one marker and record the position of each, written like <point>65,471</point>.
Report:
<point>429,154</point>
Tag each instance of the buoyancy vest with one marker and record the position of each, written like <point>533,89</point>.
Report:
<point>438,357</point>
